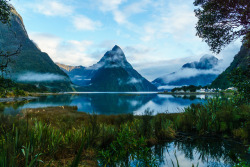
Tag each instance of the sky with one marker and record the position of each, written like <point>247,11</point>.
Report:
<point>157,36</point>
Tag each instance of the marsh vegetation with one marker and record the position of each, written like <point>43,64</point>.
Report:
<point>61,136</point>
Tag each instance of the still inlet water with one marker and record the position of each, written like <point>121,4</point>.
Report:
<point>191,151</point>
<point>111,103</point>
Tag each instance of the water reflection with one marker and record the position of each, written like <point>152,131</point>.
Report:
<point>204,152</point>
<point>110,103</point>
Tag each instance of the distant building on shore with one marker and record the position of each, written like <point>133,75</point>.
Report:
<point>201,91</point>
<point>232,88</point>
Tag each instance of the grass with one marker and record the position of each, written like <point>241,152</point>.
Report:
<point>61,136</point>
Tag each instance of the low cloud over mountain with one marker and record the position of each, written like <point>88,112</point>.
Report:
<point>200,72</point>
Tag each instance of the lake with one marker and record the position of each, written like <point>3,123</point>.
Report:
<point>111,103</point>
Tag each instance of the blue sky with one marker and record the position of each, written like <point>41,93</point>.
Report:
<point>157,36</point>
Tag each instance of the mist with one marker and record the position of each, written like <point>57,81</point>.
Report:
<point>134,81</point>
<point>39,77</point>
<point>187,73</point>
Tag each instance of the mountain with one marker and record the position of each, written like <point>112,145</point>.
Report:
<point>201,72</point>
<point>206,62</point>
<point>112,73</point>
<point>75,73</point>
<point>73,69</point>
<point>31,65</point>
<point>242,60</point>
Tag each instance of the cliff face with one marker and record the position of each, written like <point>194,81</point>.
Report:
<point>30,60</point>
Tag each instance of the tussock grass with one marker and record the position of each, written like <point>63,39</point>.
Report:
<point>61,136</point>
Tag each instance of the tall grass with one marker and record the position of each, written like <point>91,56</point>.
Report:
<point>216,117</point>
<point>62,137</point>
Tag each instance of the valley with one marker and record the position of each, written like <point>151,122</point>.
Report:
<point>124,83</point>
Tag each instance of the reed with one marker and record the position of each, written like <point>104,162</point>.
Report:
<point>60,136</point>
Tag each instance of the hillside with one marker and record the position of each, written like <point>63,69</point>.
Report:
<point>242,60</point>
<point>31,65</point>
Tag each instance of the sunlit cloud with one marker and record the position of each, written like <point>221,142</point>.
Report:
<point>71,52</point>
<point>52,8</point>
<point>176,21</point>
<point>82,22</point>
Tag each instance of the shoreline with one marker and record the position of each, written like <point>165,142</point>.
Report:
<point>184,93</point>
<point>190,93</point>
<point>17,99</point>
<point>33,96</point>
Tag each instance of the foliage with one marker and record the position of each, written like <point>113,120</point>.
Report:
<point>222,21</point>
<point>9,88</point>
<point>60,136</point>
<point>190,88</point>
<point>5,11</point>
<point>217,116</point>
<point>242,164</point>
<point>240,61</point>
<point>241,80</point>
<point>146,123</point>
<point>127,150</point>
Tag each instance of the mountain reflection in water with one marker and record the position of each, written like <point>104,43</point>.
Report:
<point>109,103</point>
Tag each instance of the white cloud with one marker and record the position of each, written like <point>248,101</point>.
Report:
<point>121,12</point>
<point>176,20</point>
<point>168,87</point>
<point>38,77</point>
<point>109,5</point>
<point>52,8</point>
<point>187,73</point>
<point>134,81</point>
<point>69,52</point>
<point>179,21</point>
<point>113,7</point>
<point>82,22</point>
<point>120,17</point>
<point>46,42</point>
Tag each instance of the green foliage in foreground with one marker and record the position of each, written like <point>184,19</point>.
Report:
<point>217,117</point>
<point>241,80</point>
<point>60,136</point>
<point>242,164</point>
<point>127,150</point>
<point>37,139</point>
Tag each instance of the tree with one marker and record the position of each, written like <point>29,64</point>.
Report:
<point>241,80</point>
<point>5,59</point>
<point>222,21</point>
<point>5,11</point>
<point>5,16</point>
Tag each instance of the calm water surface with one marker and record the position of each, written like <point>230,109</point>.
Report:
<point>206,152</point>
<point>111,103</point>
